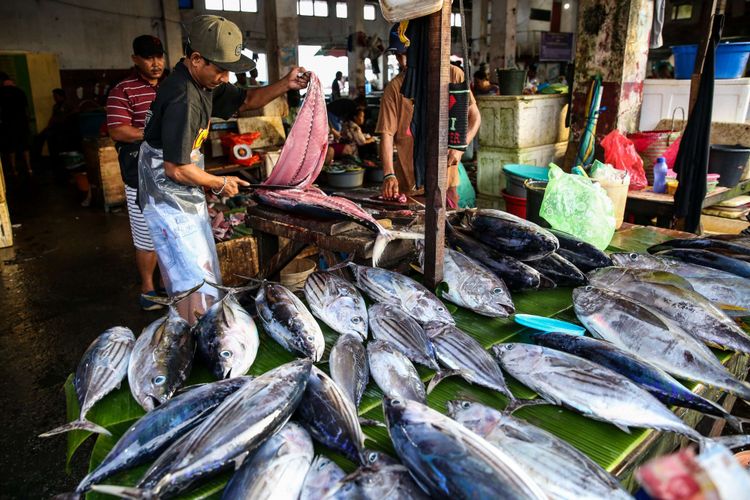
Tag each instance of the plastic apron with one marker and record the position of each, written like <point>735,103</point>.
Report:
<point>177,218</point>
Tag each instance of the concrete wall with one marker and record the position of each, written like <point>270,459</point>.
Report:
<point>92,35</point>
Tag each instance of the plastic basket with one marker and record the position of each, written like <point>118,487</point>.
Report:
<point>731,59</point>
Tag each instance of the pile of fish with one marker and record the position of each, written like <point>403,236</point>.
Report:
<point>651,325</point>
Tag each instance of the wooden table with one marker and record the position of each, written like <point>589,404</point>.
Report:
<point>645,205</point>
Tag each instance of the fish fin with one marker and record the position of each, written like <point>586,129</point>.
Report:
<point>733,441</point>
<point>370,422</point>
<point>174,299</point>
<point>342,265</point>
<point>122,491</point>
<point>384,237</point>
<point>735,422</point>
<point>237,289</point>
<point>188,388</point>
<point>416,268</point>
<point>239,459</point>
<point>77,425</point>
<point>197,315</point>
<point>439,376</point>
<point>516,404</point>
<point>623,428</point>
<point>71,495</point>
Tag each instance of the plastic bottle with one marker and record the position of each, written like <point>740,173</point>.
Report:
<point>660,175</point>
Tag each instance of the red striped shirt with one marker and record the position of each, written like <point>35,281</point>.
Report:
<point>129,101</point>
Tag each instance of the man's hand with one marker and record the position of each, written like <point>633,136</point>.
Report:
<point>228,189</point>
<point>389,190</point>
<point>297,78</point>
<point>454,156</point>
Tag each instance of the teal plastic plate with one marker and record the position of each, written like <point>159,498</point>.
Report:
<point>548,324</point>
<point>527,171</point>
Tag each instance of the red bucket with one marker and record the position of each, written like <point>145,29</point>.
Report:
<point>515,205</point>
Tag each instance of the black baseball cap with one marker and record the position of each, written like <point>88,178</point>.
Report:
<point>220,41</point>
<point>395,45</point>
<point>147,46</point>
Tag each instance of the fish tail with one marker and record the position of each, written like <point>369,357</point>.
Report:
<point>123,491</point>
<point>439,376</point>
<point>736,422</point>
<point>386,236</point>
<point>77,425</point>
<point>168,301</point>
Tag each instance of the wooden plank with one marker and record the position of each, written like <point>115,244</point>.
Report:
<point>6,230</point>
<point>282,258</point>
<point>436,155</point>
<point>238,257</point>
<point>329,228</point>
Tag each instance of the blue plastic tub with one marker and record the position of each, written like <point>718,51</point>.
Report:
<point>516,175</point>
<point>731,59</point>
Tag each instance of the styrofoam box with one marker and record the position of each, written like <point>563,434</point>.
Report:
<point>662,97</point>
<point>490,162</point>
<point>522,121</point>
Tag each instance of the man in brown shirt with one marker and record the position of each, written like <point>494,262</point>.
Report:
<point>394,124</point>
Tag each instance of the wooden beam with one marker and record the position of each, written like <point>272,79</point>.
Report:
<point>436,156</point>
<point>709,9</point>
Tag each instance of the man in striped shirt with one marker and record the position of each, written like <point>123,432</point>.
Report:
<point>127,105</point>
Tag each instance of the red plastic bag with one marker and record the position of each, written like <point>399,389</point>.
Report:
<point>620,152</point>
<point>242,155</point>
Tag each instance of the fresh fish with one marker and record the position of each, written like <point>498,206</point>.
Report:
<point>348,366</point>
<point>337,303</point>
<point>161,360</point>
<point>394,325</point>
<point>509,234</point>
<point>381,478</point>
<point>514,273</point>
<point>237,427</point>
<point>330,417</point>
<point>287,320</point>
<point>652,337</point>
<point>709,244</point>
<point>584,256</point>
<point>450,461</point>
<point>276,470</point>
<point>597,392</point>
<point>717,286</point>
<point>738,239</point>
<point>163,463</point>
<point>655,380</point>
<point>389,287</point>
<point>559,270</point>
<point>466,357</point>
<point>227,337</point>
<point>393,372</point>
<point>709,259</point>
<point>557,467</point>
<point>100,371</point>
<point>691,311</point>
<point>314,202</point>
<point>304,150</point>
<point>323,475</point>
<point>473,286</point>
<point>614,277</point>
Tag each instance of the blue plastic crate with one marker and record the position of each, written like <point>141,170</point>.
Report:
<point>731,60</point>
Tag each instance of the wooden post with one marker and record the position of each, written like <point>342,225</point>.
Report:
<point>436,156</point>
<point>709,9</point>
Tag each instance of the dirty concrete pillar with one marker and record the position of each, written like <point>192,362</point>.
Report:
<point>282,37</point>
<point>479,13</point>
<point>612,41</point>
<point>356,24</point>
<point>502,47</point>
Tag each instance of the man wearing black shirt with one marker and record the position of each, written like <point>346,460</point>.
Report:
<point>171,175</point>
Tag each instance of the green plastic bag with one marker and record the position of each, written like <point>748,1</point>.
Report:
<point>576,205</point>
<point>467,197</point>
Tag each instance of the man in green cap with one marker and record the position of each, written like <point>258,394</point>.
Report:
<point>171,175</point>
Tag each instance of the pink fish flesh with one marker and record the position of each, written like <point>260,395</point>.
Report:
<point>314,202</point>
<point>305,148</point>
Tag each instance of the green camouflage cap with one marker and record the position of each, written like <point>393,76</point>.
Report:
<point>220,41</point>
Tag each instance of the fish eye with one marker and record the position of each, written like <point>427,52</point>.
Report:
<point>372,457</point>
<point>356,320</point>
<point>440,309</point>
<point>159,380</point>
<point>497,291</point>
<point>633,255</point>
<point>465,405</point>
<point>589,288</point>
<point>395,402</point>
<point>509,347</point>
<point>225,354</point>
<point>310,338</point>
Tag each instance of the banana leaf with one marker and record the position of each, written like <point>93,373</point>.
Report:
<point>604,443</point>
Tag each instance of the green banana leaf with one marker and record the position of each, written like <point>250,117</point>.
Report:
<point>604,443</point>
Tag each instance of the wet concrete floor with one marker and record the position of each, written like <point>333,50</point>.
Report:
<point>69,276</point>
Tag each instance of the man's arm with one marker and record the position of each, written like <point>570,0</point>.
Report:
<point>257,98</point>
<point>192,175</point>
<point>475,119</point>
<point>126,133</point>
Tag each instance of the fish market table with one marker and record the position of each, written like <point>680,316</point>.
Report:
<point>647,204</point>
<point>617,451</point>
